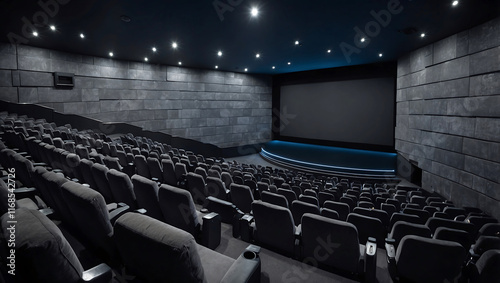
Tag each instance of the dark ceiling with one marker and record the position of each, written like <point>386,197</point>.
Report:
<point>203,27</point>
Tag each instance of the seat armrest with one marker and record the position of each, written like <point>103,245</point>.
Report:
<point>98,274</point>
<point>115,214</point>
<point>246,268</point>
<point>211,230</point>
<point>140,210</point>
<point>47,211</point>
<point>24,190</point>
<point>391,257</point>
<point>371,260</point>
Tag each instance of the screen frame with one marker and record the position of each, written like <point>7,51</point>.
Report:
<point>370,71</point>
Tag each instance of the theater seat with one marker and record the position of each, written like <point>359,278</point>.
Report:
<point>275,227</point>
<point>343,252</point>
<point>44,255</point>
<point>242,197</point>
<point>420,259</point>
<point>157,252</point>
<point>146,193</point>
<point>485,270</point>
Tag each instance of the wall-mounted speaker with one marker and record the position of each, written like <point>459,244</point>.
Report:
<point>64,80</point>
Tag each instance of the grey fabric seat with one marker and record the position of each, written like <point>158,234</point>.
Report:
<point>275,227</point>
<point>168,172</point>
<point>420,259</point>
<point>242,197</point>
<point>344,252</point>
<point>368,227</point>
<point>403,228</point>
<point>197,187</point>
<point>341,208</point>
<point>216,188</point>
<point>141,166</point>
<point>44,255</point>
<point>146,193</point>
<point>178,209</point>
<point>174,256</point>
<point>99,172</point>
<point>122,188</point>
<point>299,208</point>
<point>274,199</point>
<point>155,169</point>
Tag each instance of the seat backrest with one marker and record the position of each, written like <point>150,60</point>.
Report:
<point>122,188</point>
<point>86,170</point>
<point>403,217</point>
<point>422,214</point>
<point>324,196</point>
<point>403,228</point>
<point>216,188</point>
<point>226,178</point>
<point>90,215</point>
<point>326,212</point>
<point>376,213</point>
<point>180,170</point>
<point>146,193</point>
<point>197,187</point>
<point>172,254</point>
<point>178,209</point>
<point>341,208</point>
<point>299,208</point>
<point>112,162</point>
<point>99,172</point>
<point>462,237</point>
<point>288,194</point>
<point>274,199</point>
<point>155,168</point>
<point>275,227</point>
<point>343,251</point>
<point>53,182</point>
<point>368,227</point>
<point>142,166</point>
<point>420,259</point>
<point>309,199</point>
<point>169,176</point>
<point>42,252</point>
<point>434,222</point>
<point>242,197</point>
<point>486,268</point>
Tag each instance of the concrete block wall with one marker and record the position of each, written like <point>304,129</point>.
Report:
<point>448,116</point>
<point>223,108</point>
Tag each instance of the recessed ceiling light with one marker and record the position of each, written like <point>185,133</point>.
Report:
<point>82,35</point>
<point>154,49</point>
<point>422,35</point>
<point>180,63</point>
<point>174,45</point>
<point>246,69</point>
<point>35,34</point>
<point>297,42</point>
<point>455,3</point>
<point>363,39</point>
<point>254,12</point>
<point>257,55</point>
<point>217,67</point>
<point>111,54</point>
<point>53,27</point>
<point>146,59</point>
<point>329,51</point>
<point>274,67</point>
<point>219,53</point>
<point>289,63</point>
<point>380,55</point>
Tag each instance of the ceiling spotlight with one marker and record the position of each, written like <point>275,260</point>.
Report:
<point>257,55</point>
<point>363,39</point>
<point>289,63</point>
<point>217,67</point>
<point>82,35</point>
<point>297,42</point>
<point>180,63</point>
<point>422,35</point>
<point>35,34</point>
<point>174,45</point>
<point>154,49</point>
<point>111,54</point>
<point>329,51</point>
<point>254,12</point>
<point>146,59</point>
<point>455,3</point>
<point>274,67</point>
<point>219,53</point>
<point>53,27</point>
<point>246,69</point>
<point>380,55</point>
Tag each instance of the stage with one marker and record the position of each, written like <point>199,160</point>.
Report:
<point>331,160</point>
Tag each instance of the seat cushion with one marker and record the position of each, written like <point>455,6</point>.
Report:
<point>214,264</point>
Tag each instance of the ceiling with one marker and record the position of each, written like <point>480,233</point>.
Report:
<point>201,28</point>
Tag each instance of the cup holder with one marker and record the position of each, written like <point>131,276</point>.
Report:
<point>249,255</point>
